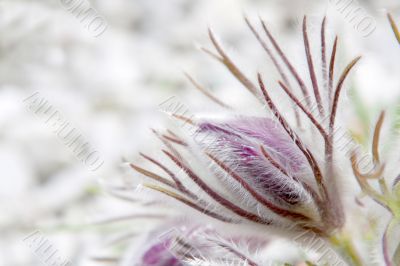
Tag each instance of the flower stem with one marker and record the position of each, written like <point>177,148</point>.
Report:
<point>346,247</point>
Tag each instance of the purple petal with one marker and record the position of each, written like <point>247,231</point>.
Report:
<point>160,255</point>
<point>273,137</point>
<point>238,142</point>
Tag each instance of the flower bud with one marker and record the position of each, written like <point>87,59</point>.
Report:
<point>238,144</point>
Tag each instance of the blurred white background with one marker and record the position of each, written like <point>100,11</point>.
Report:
<point>109,87</point>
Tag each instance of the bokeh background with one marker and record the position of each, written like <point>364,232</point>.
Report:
<point>110,87</point>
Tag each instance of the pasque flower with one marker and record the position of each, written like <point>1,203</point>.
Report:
<point>254,173</point>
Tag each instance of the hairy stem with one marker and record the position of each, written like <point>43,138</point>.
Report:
<point>346,247</point>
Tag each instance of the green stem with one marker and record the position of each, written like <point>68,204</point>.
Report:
<point>346,247</point>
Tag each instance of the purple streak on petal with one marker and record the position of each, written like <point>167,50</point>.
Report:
<point>273,137</point>
<point>159,255</point>
<point>237,143</point>
<point>215,128</point>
